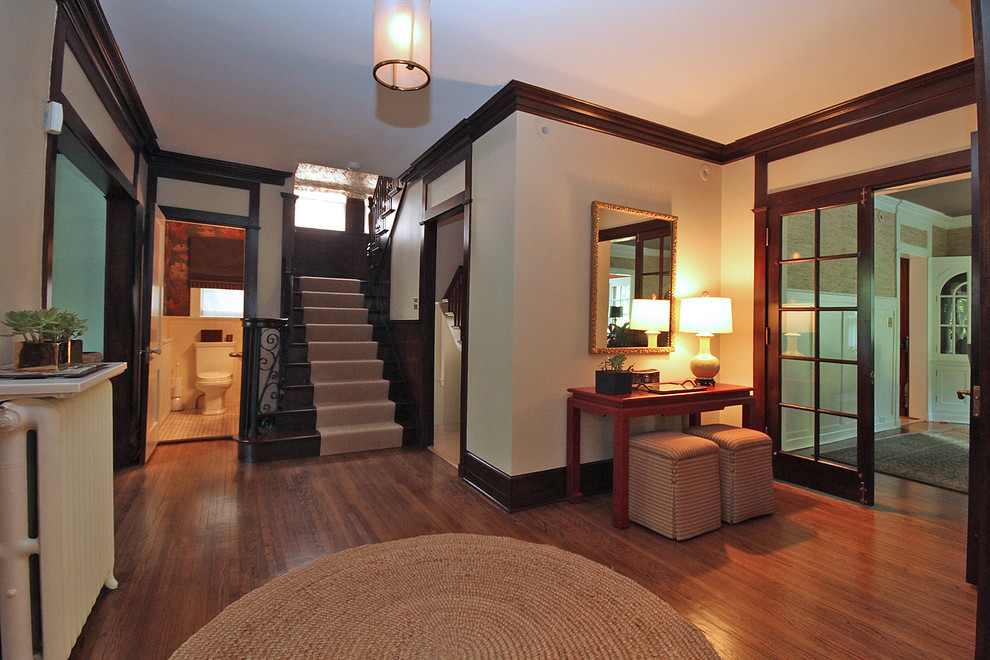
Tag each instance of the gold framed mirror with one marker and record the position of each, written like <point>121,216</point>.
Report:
<point>633,256</point>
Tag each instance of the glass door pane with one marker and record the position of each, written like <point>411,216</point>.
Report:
<point>816,364</point>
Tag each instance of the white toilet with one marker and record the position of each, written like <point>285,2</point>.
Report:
<point>214,374</point>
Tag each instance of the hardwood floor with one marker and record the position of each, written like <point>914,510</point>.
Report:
<point>821,578</point>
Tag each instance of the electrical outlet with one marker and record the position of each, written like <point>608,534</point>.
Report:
<point>415,302</point>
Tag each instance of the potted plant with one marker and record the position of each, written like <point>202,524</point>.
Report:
<point>50,338</point>
<point>612,377</point>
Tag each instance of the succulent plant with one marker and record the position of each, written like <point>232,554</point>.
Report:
<point>44,325</point>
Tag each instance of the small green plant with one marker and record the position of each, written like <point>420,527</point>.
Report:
<point>44,325</point>
<point>614,363</point>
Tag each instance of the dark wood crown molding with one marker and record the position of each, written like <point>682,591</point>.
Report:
<point>518,96</point>
<point>172,165</point>
<point>90,39</point>
<point>932,93</point>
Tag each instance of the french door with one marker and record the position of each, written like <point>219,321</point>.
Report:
<point>820,356</point>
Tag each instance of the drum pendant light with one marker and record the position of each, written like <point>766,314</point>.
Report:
<point>402,43</point>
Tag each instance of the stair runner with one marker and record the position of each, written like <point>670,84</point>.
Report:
<point>353,412</point>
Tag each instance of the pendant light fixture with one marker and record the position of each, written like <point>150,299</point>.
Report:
<point>402,43</point>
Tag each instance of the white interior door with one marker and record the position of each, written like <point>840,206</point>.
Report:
<point>949,305</point>
<point>158,374</point>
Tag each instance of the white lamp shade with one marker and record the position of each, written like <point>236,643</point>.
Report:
<point>402,43</point>
<point>706,315</point>
<point>650,315</point>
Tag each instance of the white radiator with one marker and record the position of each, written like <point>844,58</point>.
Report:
<point>74,518</point>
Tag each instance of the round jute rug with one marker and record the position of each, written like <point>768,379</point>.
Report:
<point>449,596</point>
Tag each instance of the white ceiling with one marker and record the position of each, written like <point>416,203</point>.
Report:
<point>275,83</point>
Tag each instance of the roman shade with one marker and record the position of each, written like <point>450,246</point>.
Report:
<point>216,263</point>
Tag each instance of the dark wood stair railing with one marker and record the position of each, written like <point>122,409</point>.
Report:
<point>456,295</point>
<point>387,200</point>
<point>274,422</point>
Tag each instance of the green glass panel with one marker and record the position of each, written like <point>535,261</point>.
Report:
<point>798,235</point>
<point>651,255</point>
<point>838,231</point>
<point>797,284</point>
<point>797,431</point>
<point>797,333</point>
<point>838,387</point>
<point>797,383</point>
<point>962,311</point>
<point>838,335</point>
<point>945,310</point>
<point>836,433</point>
<point>962,341</point>
<point>948,342</point>
<point>838,282</point>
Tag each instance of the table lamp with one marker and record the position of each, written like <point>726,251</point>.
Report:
<point>651,315</point>
<point>705,316</point>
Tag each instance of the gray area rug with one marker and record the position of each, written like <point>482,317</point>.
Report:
<point>940,458</point>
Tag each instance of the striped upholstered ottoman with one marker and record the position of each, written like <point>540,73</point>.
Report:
<point>674,484</point>
<point>745,467</point>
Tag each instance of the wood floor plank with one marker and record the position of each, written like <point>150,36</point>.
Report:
<point>821,578</point>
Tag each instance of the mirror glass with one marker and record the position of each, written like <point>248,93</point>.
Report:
<point>632,256</point>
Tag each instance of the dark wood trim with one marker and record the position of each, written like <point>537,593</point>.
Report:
<point>180,214</point>
<point>89,38</point>
<point>517,96</point>
<point>826,477</point>
<point>251,241</point>
<point>865,409</point>
<point>48,228</point>
<point>932,93</point>
<point>465,313</point>
<point>427,311</point>
<point>957,162</point>
<point>980,485</point>
<point>761,241</point>
<point>288,250</point>
<point>197,169</point>
<point>535,488</point>
<point>97,164</point>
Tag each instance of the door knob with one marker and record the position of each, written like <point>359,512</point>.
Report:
<point>237,355</point>
<point>962,394</point>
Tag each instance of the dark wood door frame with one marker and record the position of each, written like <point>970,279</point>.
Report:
<point>980,365</point>
<point>427,294</point>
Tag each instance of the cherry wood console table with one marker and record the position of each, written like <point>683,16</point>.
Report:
<point>639,404</point>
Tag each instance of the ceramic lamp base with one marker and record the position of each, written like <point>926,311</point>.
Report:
<point>704,365</point>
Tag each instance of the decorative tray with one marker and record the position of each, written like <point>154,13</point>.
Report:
<point>8,371</point>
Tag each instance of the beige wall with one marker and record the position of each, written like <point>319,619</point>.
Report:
<point>203,197</point>
<point>23,91</point>
<point>491,339</point>
<point>407,240</point>
<point>735,350</point>
<point>531,275</point>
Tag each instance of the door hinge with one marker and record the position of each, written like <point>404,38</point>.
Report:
<point>768,237</point>
<point>976,400</point>
<point>862,199</point>
<point>766,336</point>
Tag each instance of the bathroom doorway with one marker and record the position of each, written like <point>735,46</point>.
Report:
<point>201,331</point>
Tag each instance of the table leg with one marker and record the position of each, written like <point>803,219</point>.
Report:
<point>748,412</point>
<point>573,452</point>
<point>620,472</point>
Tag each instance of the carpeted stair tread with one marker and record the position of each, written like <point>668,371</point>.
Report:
<point>332,299</point>
<point>351,413</point>
<point>350,390</point>
<point>359,437</point>
<point>338,332</point>
<point>342,350</point>
<point>335,315</point>
<point>338,370</point>
<point>329,284</point>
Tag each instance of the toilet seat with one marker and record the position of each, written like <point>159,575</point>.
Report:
<point>214,378</point>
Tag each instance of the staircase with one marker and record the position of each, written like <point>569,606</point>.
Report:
<point>353,412</point>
